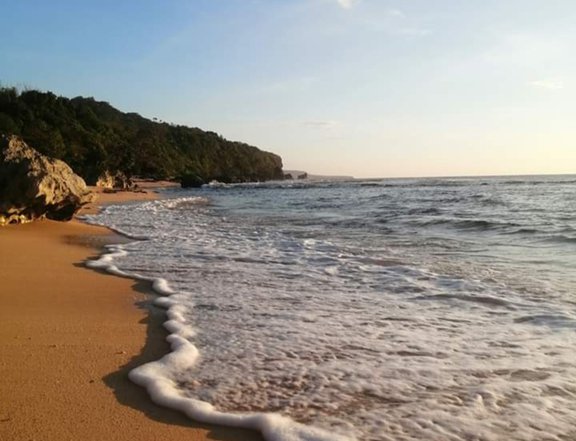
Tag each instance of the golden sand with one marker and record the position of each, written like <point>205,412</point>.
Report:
<point>68,337</point>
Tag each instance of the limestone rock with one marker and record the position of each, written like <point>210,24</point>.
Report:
<point>33,186</point>
<point>115,181</point>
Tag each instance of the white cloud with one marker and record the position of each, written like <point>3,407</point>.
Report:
<point>319,124</point>
<point>547,84</point>
<point>347,4</point>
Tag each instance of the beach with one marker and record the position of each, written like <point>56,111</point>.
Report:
<point>362,310</point>
<point>69,336</point>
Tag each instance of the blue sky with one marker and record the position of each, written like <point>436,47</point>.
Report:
<point>356,87</point>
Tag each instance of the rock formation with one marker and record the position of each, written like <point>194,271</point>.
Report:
<point>34,186</point>
<point>295,174</point>
<point>115,181</point>
<point>191,181</point>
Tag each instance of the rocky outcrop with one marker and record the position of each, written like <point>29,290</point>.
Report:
<point>295,174</point>
<point>191,181</point>
<point>34,186</point>
<point>115,181</point>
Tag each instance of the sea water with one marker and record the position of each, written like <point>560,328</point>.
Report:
<point>414,309</point>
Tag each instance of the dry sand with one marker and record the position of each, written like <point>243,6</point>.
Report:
<point>68,337</point>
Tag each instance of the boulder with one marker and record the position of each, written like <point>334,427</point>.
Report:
<point>33,186</point>
<point>191,180</point>
<point>115,181</point>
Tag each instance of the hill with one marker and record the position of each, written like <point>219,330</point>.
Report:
<point>93,137</point>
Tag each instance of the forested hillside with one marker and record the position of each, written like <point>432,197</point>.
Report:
<point>92,136</point>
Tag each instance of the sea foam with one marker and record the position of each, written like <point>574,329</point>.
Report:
<point>158,376</point>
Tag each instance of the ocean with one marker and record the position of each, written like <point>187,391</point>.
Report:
<point>396,309</point>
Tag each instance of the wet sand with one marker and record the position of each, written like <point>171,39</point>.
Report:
<point>68,337</point>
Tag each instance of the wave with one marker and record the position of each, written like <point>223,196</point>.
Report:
<point>425,211</point>
<point>415,183</point>
<point>552,320</point>
<point>486,200</point>
<point>467,224</point>
<point>564,236</point>
<point>157,376</point>
<point>270,185</point>
<point>560,238</point>
<point>539,182</point>
<point>186,202</point>
<point>483,300</point>
<point>525,231</point>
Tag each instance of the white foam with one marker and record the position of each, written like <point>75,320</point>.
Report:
<point>158,376</point>
<point>161,286</point>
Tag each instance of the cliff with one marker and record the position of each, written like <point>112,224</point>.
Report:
<point>93,138</point>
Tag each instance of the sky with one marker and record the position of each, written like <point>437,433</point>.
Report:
<point>368,88</point>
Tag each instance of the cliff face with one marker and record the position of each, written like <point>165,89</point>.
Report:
<point>93,137</point>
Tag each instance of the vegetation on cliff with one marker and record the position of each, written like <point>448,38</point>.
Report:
<point>94,137</point>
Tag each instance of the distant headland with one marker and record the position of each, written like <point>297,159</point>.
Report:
<point>304,175</point>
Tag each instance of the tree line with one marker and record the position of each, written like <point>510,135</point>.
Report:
<point>93,137</point>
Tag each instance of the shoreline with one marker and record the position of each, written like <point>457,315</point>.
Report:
<point>69,335</point>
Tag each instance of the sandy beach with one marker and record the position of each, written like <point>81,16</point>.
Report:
<point>68,337</point>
